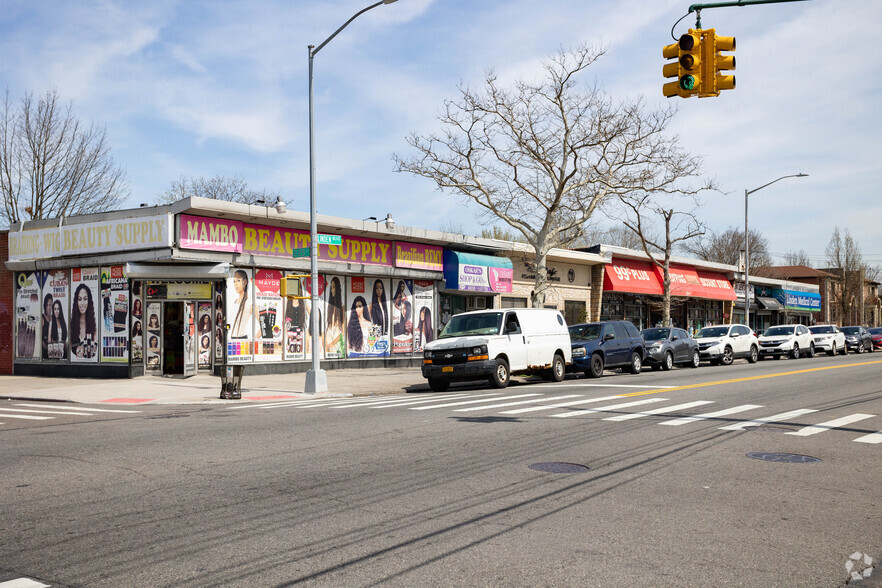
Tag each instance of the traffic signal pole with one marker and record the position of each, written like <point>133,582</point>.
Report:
<point>697,8</point>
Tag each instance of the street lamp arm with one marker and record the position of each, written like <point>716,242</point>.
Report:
<point>345,24</point>
<point>749,192</point>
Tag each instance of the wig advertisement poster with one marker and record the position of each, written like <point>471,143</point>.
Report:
<point>268,303</point>
<point>335,314</point>
<point>115,315</point>
<point>240,317</point>
<point>402,317</point>
<point>137,330</point>
<point>423,303</point>
<point>204,334</point>
<point>84,315</point>
<point>153,331</point>
<point>296,312</point>
<point>367,326</point>
<point>56,292</point>
<point>27,315</point>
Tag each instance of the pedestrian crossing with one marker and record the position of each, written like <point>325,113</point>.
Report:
<point>23,411</point>
<point>568,406</point>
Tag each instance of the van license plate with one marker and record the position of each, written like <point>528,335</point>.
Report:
<point>447,368</point>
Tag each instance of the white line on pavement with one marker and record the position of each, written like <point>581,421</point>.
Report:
<point>871,438</point>
<point>470,402</point>
<point>46,411</point>
<point>504,404</point>
<point>784,416</point>
<point>89,409</point>
<point>821,427</point>
<point>607,408</point>
<point>667,409</point>
<point>25,416</point>
<point>711,415</point>
<point>560,405</point>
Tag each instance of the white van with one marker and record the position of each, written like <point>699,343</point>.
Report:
<point>495,344</point>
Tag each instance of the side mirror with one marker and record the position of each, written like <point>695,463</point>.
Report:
<point>675,338</point>
<point>609,336</point>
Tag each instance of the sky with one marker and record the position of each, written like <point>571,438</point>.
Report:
<point>192,88</point>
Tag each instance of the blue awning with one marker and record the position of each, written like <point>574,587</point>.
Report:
<point>477,273</point>
<point>795,300</point>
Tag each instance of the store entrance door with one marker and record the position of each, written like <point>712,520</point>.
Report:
<point>178,339</point>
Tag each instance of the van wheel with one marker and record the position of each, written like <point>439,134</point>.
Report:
<point>439,385</point>
<point>668,362</point>
<point>500,376</point>
<point>558,369</point>
<point>636,363</point>
<point>595,368</point>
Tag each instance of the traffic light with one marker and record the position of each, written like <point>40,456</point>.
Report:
<point>291,287</point>
<point>712,45</point>
<point>687,68</point>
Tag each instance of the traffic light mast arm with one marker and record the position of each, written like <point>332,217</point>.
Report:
<point>697,8</point>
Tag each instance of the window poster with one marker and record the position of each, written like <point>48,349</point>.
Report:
<point>335,313</point>
<point>367,325</point>
<point>240,317</point>
<point>27,315</point>
<point>268,303</point>
<point>152,331</point>
<point>296,312</point>
<point>137,331</point>
<point>54,336</point>
<point>115,313</point>
<point>84,315</point>
<point>219,320</point>
<point>423,303</point>
<point>402,317</point>
<point>204,334</point>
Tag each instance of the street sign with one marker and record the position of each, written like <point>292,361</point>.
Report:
<point>302,252</point>
<point>328,239</point>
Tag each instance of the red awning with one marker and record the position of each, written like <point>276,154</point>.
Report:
<point>696,283</point>
<point>629,275</point>
<point>643,277</point>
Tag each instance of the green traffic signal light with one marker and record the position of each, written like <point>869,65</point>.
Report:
<point>687,82</point>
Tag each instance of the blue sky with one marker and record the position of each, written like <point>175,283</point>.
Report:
<point>205,88</point>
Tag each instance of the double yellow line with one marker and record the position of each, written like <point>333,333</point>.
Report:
<point>719,382</point>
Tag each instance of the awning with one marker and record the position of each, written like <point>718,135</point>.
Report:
<point>630,275</point>
<point>697,283</point>
<point>477,273</point>
<point>149,271</point>
<point>642,277</point>
<point>770,303</point>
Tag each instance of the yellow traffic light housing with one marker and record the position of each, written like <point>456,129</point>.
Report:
<point>716,62</point>
<point>292,287</point>
<point>687,68</point>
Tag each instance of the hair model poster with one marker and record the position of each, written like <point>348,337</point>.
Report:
<point>56,296</point>
<point>84,314</point>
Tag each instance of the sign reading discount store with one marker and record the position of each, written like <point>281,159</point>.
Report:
<point>237,237</point>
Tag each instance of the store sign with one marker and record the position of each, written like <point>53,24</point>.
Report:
<point>479,278</point>
<point>416,256</point>
<point>146,232</point>
<point>793,300</point>
<point>179,290</point>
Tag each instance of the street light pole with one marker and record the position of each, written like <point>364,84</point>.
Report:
<point>316,379</point>
<point>747,246</point>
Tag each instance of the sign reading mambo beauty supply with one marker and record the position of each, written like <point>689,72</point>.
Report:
<point>237,237</point>
<point>144,232</point>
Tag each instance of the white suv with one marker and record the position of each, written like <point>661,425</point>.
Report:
<point>721,344</point>
<point>790,340</point>
<point>830,339</point>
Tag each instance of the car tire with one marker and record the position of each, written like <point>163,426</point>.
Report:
<point>860,348</point>
<point>438,385</point>
<point>794,353</point>
<point>501,375</point>
<point>811,351</point>
<point>558,368</point>
<point>595,366</point>
<point>754,354</point>
<point>832,351</point>
<point>668,362</point>
<point>636,364</point>
<point>871,348</point>
<point>696,359</point>
<point>728,357</point>
<point>844,350</point>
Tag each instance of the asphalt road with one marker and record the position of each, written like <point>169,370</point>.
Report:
<point>438,489</point>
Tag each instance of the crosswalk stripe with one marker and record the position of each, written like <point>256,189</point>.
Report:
<point>25,416</point>
<point>666,409</point>
<point>504,404</point>
<point>560,405</point>
<point>399,401</point>
<point>23,583</point>
<point>90,409</point>
<point>607,408</point>
<point>411,402</point>
<point>821,427</point>
<point>711,415</point>
<point>871,438</point>
<point>784,416</point>
<point>46,411</point>
<point>449,404</point>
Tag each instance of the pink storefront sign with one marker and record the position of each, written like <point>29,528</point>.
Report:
<point>211,234</point>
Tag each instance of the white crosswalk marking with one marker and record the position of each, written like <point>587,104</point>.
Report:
<point>90,409</point>
<point>504,404</point>
<point>711,415</point>
<point>560,405</point>
<point>784,416</point>
<point>45,411</point>
<point>821,427</point>
<point>449,404</point>
<point>411,401</point>
<point>667,409</point>
<point>871,438</point>
<point>608,407</point>
<point>23,583</point>
<point>25,416</point>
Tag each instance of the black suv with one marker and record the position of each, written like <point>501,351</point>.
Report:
<point>607,344</point>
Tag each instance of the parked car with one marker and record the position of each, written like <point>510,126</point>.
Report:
<point>830,339</point>
<point>876,333</point>
<point>858,339</point>
<point>495,344</point>
<point>666,347</point>
<point>790,340</point>
<point>596,346</point>
<point>722,344</point>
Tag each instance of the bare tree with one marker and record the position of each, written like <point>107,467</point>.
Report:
<point>726,247</point>
<point>495,232</point>
<point>232,189</point>
<point>845,261</point>
<point>800,257</point>
<point>617,235</point>
<point>52,165</point>
<point>544,155</point>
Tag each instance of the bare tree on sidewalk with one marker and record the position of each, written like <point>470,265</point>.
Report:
<point>53,165</point>
<point>228,189</point>
<point>726,247</point>
<point>542,156</point>
<point>845,261</point>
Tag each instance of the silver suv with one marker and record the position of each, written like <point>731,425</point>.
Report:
<point>721,344</point>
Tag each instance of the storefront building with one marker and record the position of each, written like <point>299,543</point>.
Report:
<point>776,302</point>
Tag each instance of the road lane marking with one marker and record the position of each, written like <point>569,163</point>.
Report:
<point>23,583</point>
<point>45,411</point>
<point>25,416</point>
<point>607,408</point>
<point>871,438</point>
<point>711,415</point>
<point>504,404</point>
<point>470,402</point>
<point>90,409</point>
<point>571,384</point>
<point>821,427</point>
<point>559,405</point>
<point>667,409</point>
<point>784,416</point>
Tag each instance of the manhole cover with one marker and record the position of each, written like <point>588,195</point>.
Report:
<point>783,457</point>
<point>769,429</point>
<point>559,467</point>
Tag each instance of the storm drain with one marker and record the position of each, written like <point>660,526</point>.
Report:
<point>783,457</point>
<point>559,467</point>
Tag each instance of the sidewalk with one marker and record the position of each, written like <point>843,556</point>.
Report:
<point>205,389</point>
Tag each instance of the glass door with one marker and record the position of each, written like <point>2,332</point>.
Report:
<point>189,339</point>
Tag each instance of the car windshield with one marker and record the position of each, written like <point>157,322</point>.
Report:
<point>851,330</point>
<point>875,331</point>
<point>475,324</point>
<point>778,331</point>
<point>822,330</point>
<point>587,332</point>
<point>655,334</point>
<point>713,332</point>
